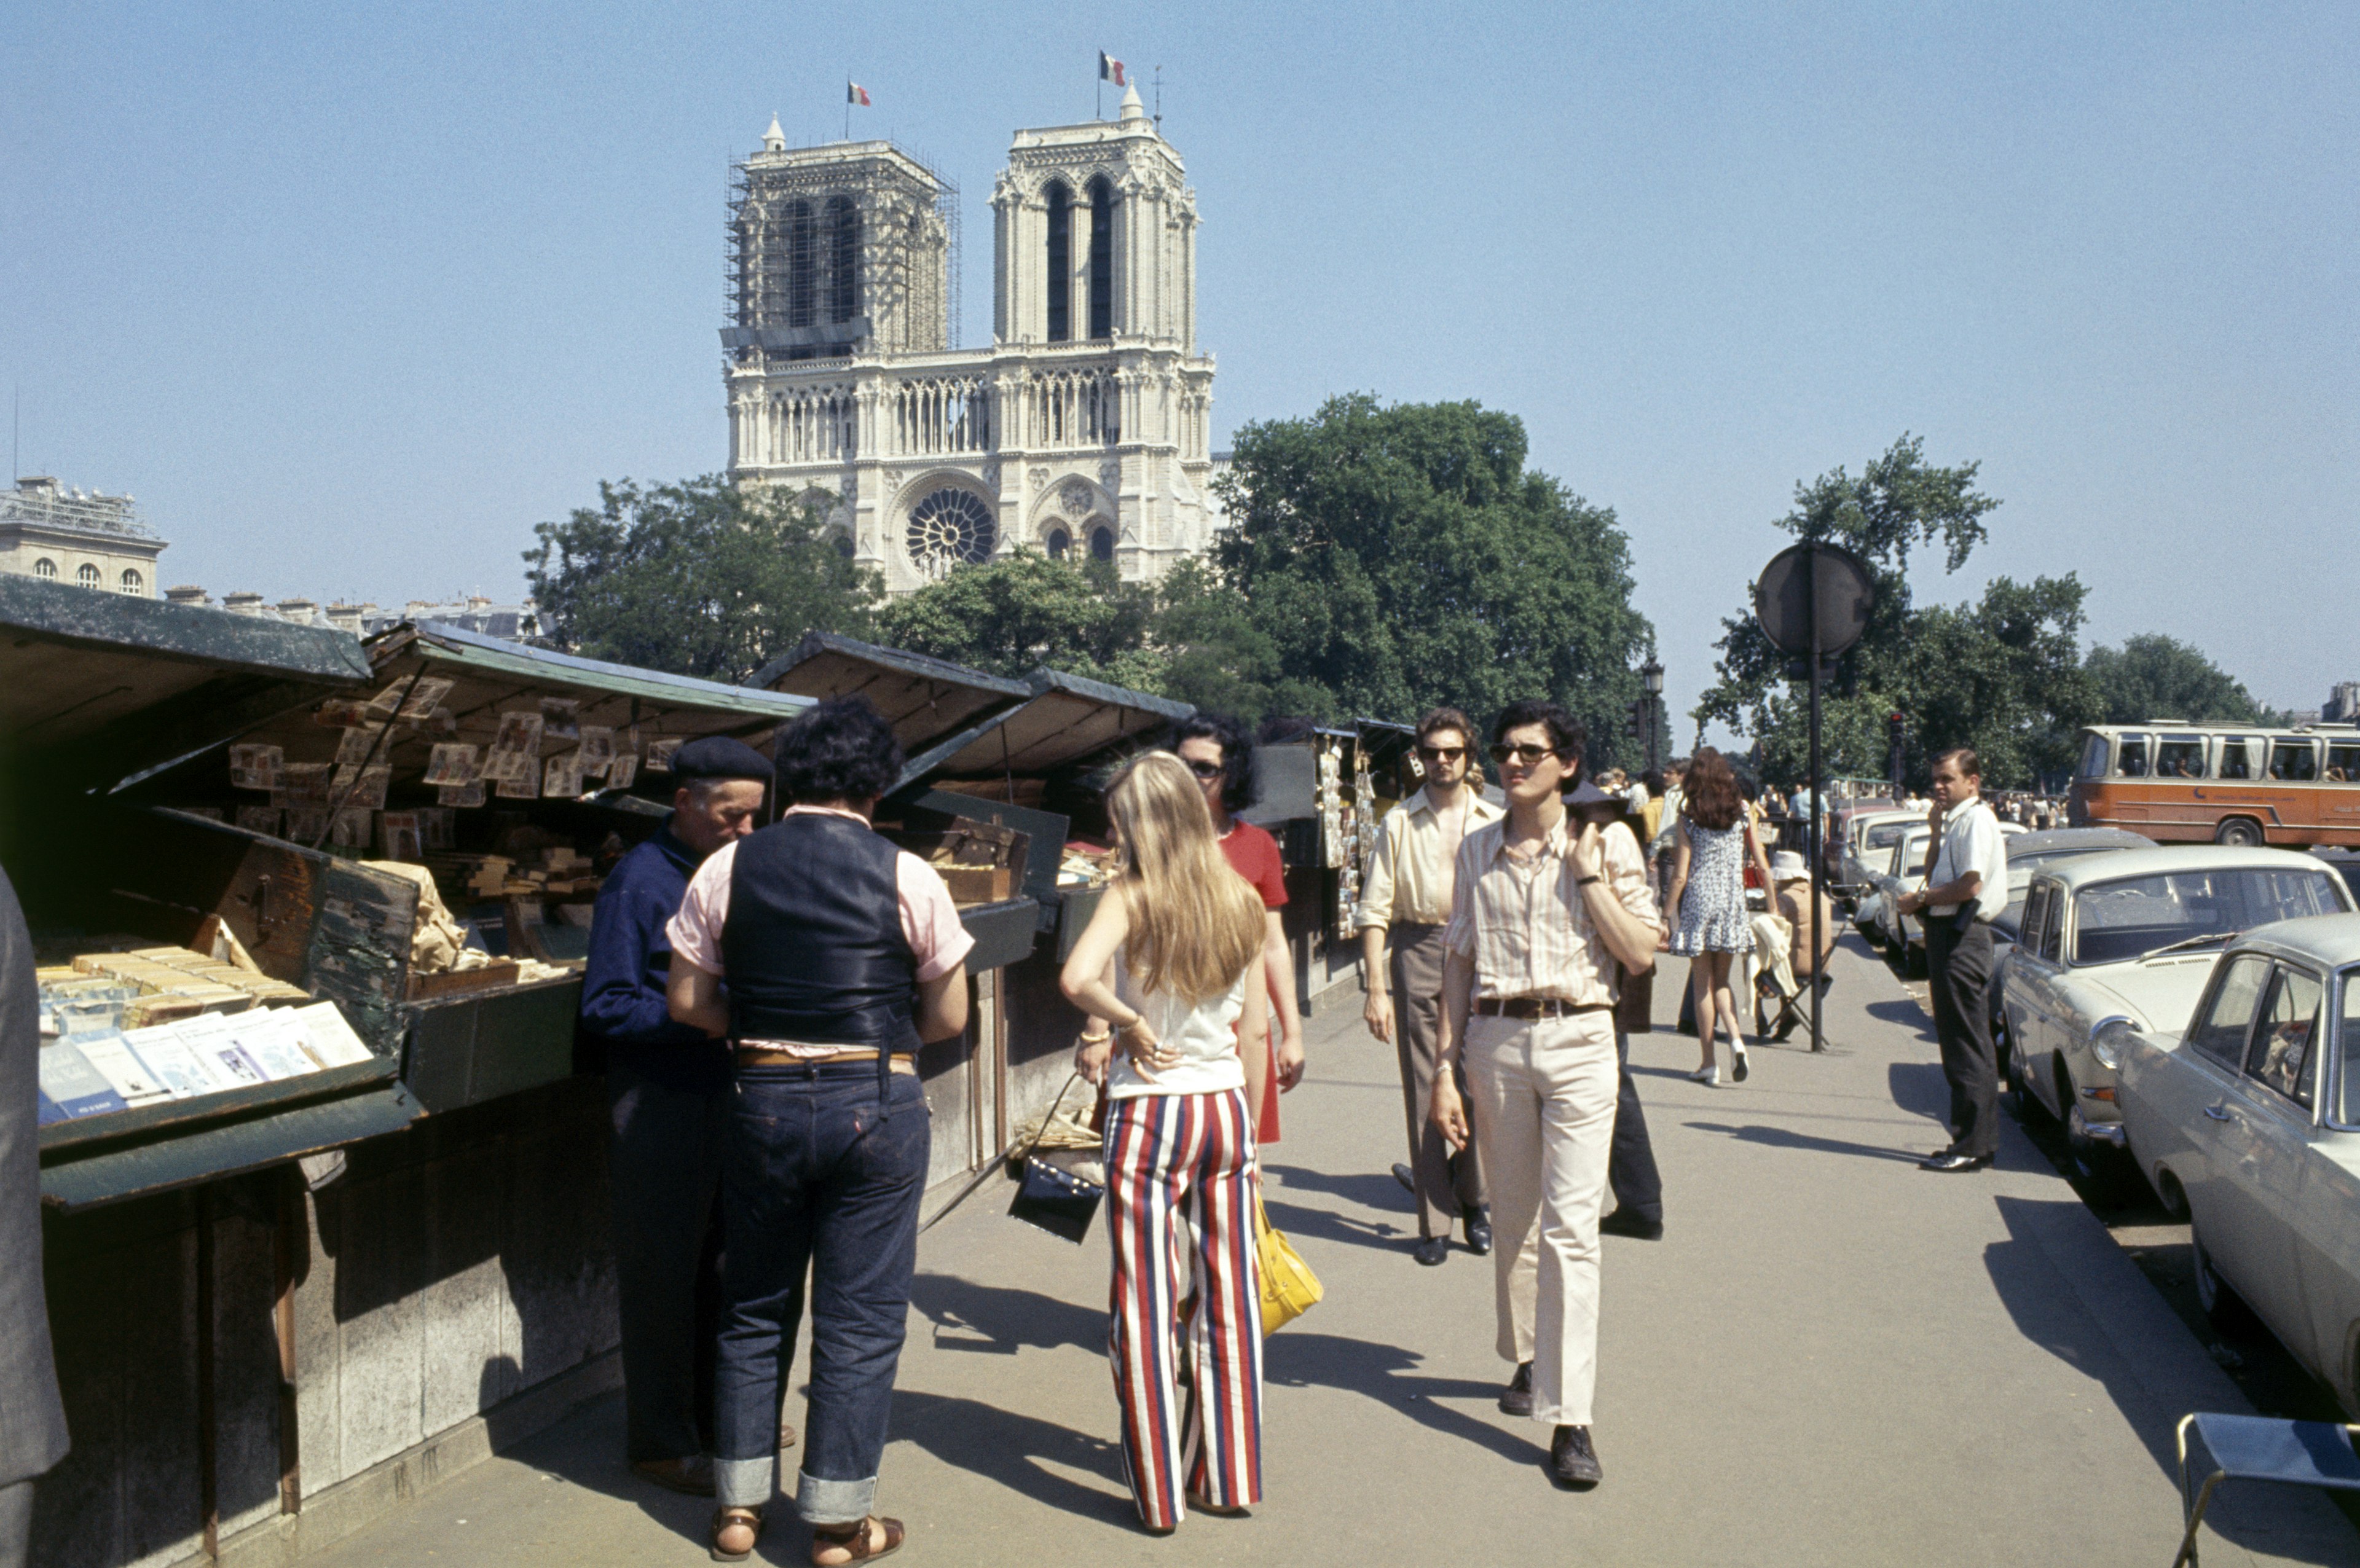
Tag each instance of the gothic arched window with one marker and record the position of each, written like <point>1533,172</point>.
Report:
<point>1101,258</point>
<point>1101,544</point>
<point>802,266</point>
<point>1061,262</point>
<point>843,259</point>
<point>1061,544</point>
<point>131,583</point>
<point>46,569</point>
<point>88,576</point>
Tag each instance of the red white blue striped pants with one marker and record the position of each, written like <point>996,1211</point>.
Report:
<point>1170,1155</point>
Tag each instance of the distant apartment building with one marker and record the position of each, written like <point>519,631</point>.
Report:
<point>474,613</point>
<point>93,541</point>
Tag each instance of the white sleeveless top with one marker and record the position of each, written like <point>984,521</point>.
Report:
<point>1206,1036</point>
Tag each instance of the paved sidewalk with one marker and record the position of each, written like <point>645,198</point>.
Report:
<point>1832,1358</point>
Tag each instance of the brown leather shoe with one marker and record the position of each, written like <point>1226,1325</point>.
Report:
<point>693,1475</point>
<point>835,1545</point>
<point>786,1434</point>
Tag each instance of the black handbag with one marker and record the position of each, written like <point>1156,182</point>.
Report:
<point>1055,1200</point>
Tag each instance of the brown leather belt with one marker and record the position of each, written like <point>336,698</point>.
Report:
<point>1532,1008</point>
<point>754,1056</point>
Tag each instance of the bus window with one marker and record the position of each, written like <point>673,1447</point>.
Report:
<point>2130,756</point>
<point>2344,764</point>
<point>2179,757</point>
<point>2237,758</point>
<point>2296,761</point>
<point>2093,757</point>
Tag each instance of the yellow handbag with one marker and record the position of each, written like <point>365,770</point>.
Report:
<point>1289,1289</point>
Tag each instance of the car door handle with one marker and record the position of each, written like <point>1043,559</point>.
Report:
<point>2217,1113</point>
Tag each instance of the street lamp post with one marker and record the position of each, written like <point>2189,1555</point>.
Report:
<point>1651,678</point>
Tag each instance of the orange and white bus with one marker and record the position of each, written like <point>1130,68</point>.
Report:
<point>2183,783</point>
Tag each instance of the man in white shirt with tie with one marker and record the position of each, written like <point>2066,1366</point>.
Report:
<point>1966,886</point>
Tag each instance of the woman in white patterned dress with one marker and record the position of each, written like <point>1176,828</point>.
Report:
<point>1705,918</point>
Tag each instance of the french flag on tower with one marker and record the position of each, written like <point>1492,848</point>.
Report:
<point>1111,69</point>
<point>855,93</point>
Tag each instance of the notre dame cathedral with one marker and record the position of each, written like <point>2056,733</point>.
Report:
<point>1085,428</point>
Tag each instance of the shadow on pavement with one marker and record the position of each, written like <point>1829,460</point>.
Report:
<point>1017,1450</point>
<point>2047,1311</point>
<point>1779,1137</point>
<point>586,1450</point>
<point>1297,1220</point>
<point>1919,1088</point>
<point>1002,1320</point>
<point>1903,1013</point>
<point>1387,1374</point>
<point>1370,1192</point>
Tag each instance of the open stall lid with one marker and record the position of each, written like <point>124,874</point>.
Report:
<point>1066,720</point>
<point>101,686</point>
<point>924,699</point>
<point>1383,744</point>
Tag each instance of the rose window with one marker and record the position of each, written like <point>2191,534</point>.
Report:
<point>951,527</point>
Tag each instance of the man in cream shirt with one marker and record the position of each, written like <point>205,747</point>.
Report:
<point>1969,871</point>
<point>1406,901</point>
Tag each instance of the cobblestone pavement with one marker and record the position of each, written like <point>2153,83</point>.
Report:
<point>1833,1358</point>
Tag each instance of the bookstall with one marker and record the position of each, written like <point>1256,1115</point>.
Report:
<point>320,1189</point>
<point>993,762</point>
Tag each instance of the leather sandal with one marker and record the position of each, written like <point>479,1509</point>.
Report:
<point>853,1540</point>
<point>724,1519</point>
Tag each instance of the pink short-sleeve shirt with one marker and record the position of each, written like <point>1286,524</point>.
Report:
<point>930,921</point>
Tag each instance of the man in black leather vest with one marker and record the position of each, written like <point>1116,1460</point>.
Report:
<point>841,954</point>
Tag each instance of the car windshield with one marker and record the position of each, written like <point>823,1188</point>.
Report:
<point>1885,836</point>
<point>2139,915</point>
<point>2348,1047</point>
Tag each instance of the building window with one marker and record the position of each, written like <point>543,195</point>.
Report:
<point>46,568</point>
<point>802,266</point>
<point>131,583</point>
<point>843,259</point>
<point>1101,544</point>
<point>88,576</point>
<point>951,527</point>
<point>1061,262</point>
<point>1061,544</point>
<point>1101,258</point>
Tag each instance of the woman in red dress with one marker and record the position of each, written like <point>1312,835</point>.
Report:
<point>1218,749</point>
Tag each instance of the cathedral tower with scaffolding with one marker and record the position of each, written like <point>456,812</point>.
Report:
<point>1084,429</point>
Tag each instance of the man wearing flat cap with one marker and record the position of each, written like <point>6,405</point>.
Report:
<point>667,1098</point>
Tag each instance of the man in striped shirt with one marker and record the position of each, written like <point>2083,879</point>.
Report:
<point>1542,910</point>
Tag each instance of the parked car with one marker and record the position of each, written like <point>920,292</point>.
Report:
<point>2130,937</point>
<point>1870,840</point>
<point>1905,873</point>
<point>2346,862</point>
<point>1844,828</point>
<point>2248,1122</point>
<point>2026,851</point>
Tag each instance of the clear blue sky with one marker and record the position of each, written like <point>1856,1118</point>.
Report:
<point>350,297</point>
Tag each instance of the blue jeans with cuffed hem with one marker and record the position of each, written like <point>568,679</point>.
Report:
<point>815,1177</point>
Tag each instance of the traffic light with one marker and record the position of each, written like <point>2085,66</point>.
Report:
<point>1635,722</point>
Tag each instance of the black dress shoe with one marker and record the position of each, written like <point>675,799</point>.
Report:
<point>1623,1222</point>
<point>1406,1177</point>
<point>1479,1232</point>
<point>1956,1163</point>
<point>1432,1252</point>
<point>1572,1462</point>
<point>1516,1399</point>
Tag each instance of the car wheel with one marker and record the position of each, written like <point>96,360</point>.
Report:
<point>2215,1295</point>
<point>2239,833</point>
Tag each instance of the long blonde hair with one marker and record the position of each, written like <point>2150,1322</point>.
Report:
<point>1195,924</point>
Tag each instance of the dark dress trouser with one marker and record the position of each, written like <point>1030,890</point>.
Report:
<point>1631,1172</point>
<point>664,1165</point>
<point>1447,1184</point>
<point>1960,967</point>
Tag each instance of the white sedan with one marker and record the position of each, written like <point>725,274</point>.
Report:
<point>2249,1124</point>
<point>2131,936</point>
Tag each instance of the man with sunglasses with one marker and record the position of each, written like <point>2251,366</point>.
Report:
<point>1542,910</point>
<point>1404,905</point>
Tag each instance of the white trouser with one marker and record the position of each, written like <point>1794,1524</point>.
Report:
<point>1542,1095</point>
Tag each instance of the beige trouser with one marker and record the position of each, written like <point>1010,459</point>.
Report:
<point>1543,1099</point>
<point>1774,948</point>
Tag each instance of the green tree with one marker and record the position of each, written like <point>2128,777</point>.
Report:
<point>2001,675</point>
<point>1023,610</point>
<point>2154,677</point>
<point>1213,651</point>
<point>1401,557</point>
<point>702,578</point>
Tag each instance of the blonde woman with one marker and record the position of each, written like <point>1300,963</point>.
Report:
<point>1173,959</point>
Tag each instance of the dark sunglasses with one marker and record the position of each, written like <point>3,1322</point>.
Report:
<point>1203,769</point>
<point>1442,753</point>
<point>1527,755</point>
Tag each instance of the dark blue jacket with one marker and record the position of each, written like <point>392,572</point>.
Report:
<point>623,1005</point>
